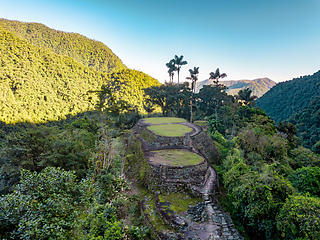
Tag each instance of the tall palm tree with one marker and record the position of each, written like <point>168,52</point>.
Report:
<point>193,77</point>
<point>215,76</point>
<point>178,61</point>
<point>244,95</point>
<point>172,68</point>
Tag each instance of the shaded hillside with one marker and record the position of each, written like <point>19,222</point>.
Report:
<point>258,86</point>
<point>308,122</point>
<point>37,85</point>
<point>90,53</point>
<point>290,97</point>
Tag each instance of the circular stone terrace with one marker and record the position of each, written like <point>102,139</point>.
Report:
<point>168,127</point>
<point>175,157</point>
<point>172,127</point>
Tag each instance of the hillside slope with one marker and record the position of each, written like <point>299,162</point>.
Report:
<point>290,97</point>
<point>308,122</point>
<point>258,86</point>
<point>37,85</point>
<point>90,53</point>
<point>296,101</point>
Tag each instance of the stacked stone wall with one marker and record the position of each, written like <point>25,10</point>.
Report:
<point>206,147</point>
<point>178,178</point>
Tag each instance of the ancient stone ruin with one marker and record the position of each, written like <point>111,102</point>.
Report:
<point>181,183</point>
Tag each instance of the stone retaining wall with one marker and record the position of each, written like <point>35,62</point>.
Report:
<point>178,178</point>
<point>178,172</point>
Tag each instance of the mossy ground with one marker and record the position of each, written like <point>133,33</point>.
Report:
<point>180,202</point>
<point>176,157</point>
<point>170,130</point>
<point>161,120</point>
<point>154,217</point>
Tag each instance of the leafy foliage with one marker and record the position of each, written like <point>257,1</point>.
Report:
<point>306,179</point>
<point>38,85</point>
<point>45,205</point>
<point>171,98</point>
<point>296,101</point>
<point>89,53</point>
<point>299,218</point>
<point>308,123</point>
<point>38,147</point>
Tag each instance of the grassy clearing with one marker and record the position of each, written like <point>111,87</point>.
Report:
<point>161,120</point>
<point>170,130</point>
<point>176,157</point>
<point>179,201</point>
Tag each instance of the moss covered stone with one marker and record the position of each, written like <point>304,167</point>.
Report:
<point>146,135</point>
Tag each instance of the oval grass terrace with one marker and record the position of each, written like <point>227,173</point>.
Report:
<point>168,126</point>
<point>170,130</point>
<point>176,157</point>
<point>162,120</point>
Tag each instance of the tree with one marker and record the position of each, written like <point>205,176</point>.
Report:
<point>299,218</point>
<point>46,205</point>
<point>193,77</point>
<point>172,69</point>
<point>306,179</point>
<point>215,76</point>
<point>157,95</point>
<point>178,61</point>
<point>173,99</point>
<point>212,97</point>
<point>244,95</point>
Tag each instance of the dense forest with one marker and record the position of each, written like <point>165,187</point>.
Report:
<point>89,53</point>
<point>38,85</point>
<point>296,101</point>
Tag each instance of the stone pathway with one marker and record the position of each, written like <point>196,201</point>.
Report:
<point>217,223</point>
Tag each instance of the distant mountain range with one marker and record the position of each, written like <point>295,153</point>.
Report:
<point>258,86</point>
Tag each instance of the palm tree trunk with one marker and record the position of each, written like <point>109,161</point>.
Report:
<point>191,106</point>
<point>178,75</point>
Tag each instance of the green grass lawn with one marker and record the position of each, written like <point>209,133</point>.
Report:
<point>161,120</point>
<point>176,157</point>
<point>170,130</point>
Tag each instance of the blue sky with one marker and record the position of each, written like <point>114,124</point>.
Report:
<point>246,39</point>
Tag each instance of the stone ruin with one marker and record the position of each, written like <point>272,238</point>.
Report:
<point>205,220</point>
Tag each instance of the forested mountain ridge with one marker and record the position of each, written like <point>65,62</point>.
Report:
<point>296,101</point>
<point>38,85</point>
<point>90,53</point>
<point>258,86</point>
<point>308,122</point>
<point>290,97</point>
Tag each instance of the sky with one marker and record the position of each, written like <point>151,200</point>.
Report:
<point>246,39</point>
